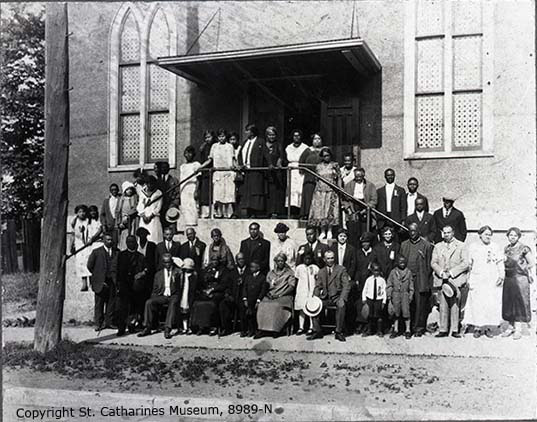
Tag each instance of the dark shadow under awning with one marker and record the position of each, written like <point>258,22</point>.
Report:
<point>324,58</point>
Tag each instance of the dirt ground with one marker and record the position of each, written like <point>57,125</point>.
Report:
<point>500,387</point>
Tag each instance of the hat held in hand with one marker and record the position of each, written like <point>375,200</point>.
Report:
<point>172,215</point>
<point>449,289</point>
<point>313,306</point>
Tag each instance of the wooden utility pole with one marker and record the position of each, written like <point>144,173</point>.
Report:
<point>48,324</point>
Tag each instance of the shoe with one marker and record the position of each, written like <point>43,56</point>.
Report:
<point>251,333</point>
<point>477,333</point>
<point>213,332</point>
<point>517,335</point>
<point>489,333</point>
<point>309,332</point>
<point>394,334</point>
<point>442,334</point>
<point>340,337</point>
<point>456,334</point>
<point>188,332</point>
<point>507,332</point>
<point>167,333</point>
<point>199,332</point>
<point>380,334</point>
<point>180,332</point>
<point>418,334</point>
<point>121,333</point>
<point>145,332</point>
<point>99,328</point>
<point>366,333</point>
<point>299,332</point>
<point>258,335</point>
<point>408,335</point>
<point>244,334</point>
<point>314,336</point>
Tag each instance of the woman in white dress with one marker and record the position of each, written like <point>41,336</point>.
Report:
<point>294,151</point>
<point>81,237</point>
<point>95,228</point>
<point>484,305</point>
<point>150,214</point>
<point>223,155</point>
<point>284,245</point>
<point>306,275</point>
<point>189,189</point>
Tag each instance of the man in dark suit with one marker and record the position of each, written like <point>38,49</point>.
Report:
<point>131,274</point>
<point>254,288</point>
<point>365,256</point>
<point>109,211</point>
<point>391,200</point>
<point>332,287</point>
<point>193,248</point>
<point>148,250</point>
<point>168,245</point>
<point>255,248</point>
<point>102,263</point>
<point>356,214</point>
<point>424,220</point>
<point>165,292</point>
<point>345,253</point>
<point>232,293</point>
<point>165,182</point>
<point>412,195</point>
<point>313,246</point>
<point>448,215</point>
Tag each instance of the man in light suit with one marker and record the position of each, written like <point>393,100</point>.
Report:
<point>391,200</point>
<point>448,215</point>
<point>356,217</point>
<point>332,287</point>
<point>165,292</point>
<point>313,246</point>
<point>424,220</point>
<point>102,263</point>
<point>450,264</point>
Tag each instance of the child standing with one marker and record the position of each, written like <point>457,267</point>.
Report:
<point>400,291</point>
<point>223,155</point>
<point>374,294</point>
<point>187,289</point>
<point>306,274</point>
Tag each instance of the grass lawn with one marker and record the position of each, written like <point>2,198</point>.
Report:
<point>19,293</point>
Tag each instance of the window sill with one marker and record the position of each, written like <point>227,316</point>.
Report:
<point>447,155</point>
<point>132,167</point>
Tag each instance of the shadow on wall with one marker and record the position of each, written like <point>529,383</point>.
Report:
<point>370,94</point>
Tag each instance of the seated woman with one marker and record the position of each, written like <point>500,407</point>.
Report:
<point>209,293</point>
<point>275,309</point>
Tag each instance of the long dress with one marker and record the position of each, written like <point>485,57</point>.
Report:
<point>253,190</point>
<point>189,205</point>
<point>324,211</point>
<point>82,237</point>
<point>223,155</point>
<point>276,179</point>
<point>516,288</point>
<point>276,307</point>
<point>205,180</point>
<point>297,178</point>
<point>126,216</point>
<point>153,227</point>
<point>310,158</point>
<point>484,303</point>
<point>95,233</point>
<point>205,307</point>
<point>306,276</point>
<point>288,247</point>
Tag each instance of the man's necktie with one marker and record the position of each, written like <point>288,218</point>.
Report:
<point>375,288</point>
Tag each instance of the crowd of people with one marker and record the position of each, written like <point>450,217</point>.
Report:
<point>383,273</point>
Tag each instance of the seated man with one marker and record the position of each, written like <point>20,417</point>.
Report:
<point>165,292</point>
<point>332,287</point>
<point>232,291</point>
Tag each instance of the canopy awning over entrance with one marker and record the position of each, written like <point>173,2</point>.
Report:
<point>321,59</point>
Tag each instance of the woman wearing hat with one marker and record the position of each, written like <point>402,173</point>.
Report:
<point>284,245</point>
<point>519,265</point>
<point>218,249</point>
<point>126,217</point>
<point>149,206</point>
<point>275,309</point>
<point>306,274</point>
<point>324,211</point>
<point>483,308</point>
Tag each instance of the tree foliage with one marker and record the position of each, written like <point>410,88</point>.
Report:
<point>22,41</point>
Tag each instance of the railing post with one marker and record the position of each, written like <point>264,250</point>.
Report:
<point>210,193</point>
<point>368,223</point>
<point>288,193</point>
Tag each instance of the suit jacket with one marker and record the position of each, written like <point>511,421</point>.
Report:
<point>128,265</point>
<point>257,250</point>
<point>426,227</point>
<point>171,198</point>
<point>453,259</point>
<point>108,220</point>
<point>102,266</point>
<point>455,219</point>
<point>370,196</point>
<point>363,262</point>
<point>419,256</point>
<point>318,253</point>
<point>196,253</point>
<point>349,259</point>
<point>150,263</point>
<point>192,287</point>
<point>161,250</point>
<point>159,286</point>
<point>334,287</point>
<point>234,284</point>
<point>386,256</point>
<point>254,181</point>
<point>398,203</point>
<point>254,288</point>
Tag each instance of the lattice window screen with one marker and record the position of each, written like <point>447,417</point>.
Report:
<point>430,62</point>
<point>159,38</point>
<point>130,41</point>
<point>158,88</point>
<point>158,136</point>
<point>467,120</point>
<point>130,139</point>
<point>467,63</point>
<point>130,88</point>
<point>466,17</point>
<point>430,122</point>
<point>430,17</point>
